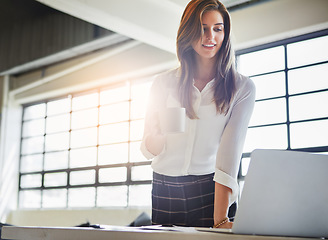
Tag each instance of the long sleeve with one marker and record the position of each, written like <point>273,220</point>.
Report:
<point>155,102</point>
<point>233,138</point>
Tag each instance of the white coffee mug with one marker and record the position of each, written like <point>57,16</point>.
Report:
<point>172,120</point>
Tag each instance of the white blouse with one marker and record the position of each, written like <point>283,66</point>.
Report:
<point>212,143</point>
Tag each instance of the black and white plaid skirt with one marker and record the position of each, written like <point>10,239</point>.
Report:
<point>184,201</point>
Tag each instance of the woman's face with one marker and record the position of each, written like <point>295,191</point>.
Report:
<point>210,43</point>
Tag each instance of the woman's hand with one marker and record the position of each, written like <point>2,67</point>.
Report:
<point>155,143</point>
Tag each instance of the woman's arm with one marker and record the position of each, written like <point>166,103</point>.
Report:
<point>221,205</point>
<point>155,141</point>
<point>230,152</point>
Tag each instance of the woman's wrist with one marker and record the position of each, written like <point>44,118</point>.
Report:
<point>219,216</point>
<point>221,206</point>
<point>224,223</point>
<point>220,223</point>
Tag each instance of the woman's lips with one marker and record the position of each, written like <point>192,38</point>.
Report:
<point>209,46</point>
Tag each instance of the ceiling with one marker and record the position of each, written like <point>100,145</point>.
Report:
<point>154,22</point>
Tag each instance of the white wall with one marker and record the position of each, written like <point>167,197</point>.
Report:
<point>126,61</point>
<point>277,19</point>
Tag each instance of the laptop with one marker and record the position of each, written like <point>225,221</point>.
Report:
<point>285,194</point>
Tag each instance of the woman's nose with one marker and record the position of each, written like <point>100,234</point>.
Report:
<point>209,35</point>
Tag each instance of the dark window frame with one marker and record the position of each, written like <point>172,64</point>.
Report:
<point>284,43</point>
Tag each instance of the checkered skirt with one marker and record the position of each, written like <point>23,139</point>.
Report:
<point>183,201</point>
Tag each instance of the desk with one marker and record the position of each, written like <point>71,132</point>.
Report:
<point>55,233</point>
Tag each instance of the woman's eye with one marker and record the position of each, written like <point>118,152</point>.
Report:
<point>218,30</point>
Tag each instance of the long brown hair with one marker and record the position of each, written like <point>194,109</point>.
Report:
<point>190,30</point>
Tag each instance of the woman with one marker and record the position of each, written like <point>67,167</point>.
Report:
<point>195,172</point>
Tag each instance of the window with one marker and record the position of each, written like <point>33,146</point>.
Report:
<point>291,110</point>
<point>83,150</point>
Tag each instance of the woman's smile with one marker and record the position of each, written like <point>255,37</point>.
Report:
<point>209,46</point>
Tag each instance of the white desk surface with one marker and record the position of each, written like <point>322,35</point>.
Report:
<point>124,233</point>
